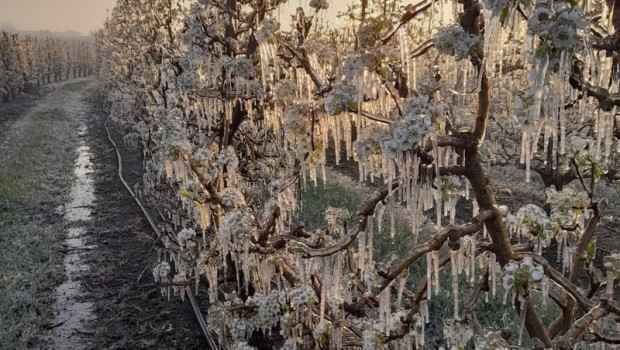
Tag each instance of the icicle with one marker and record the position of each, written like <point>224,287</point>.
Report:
<point>402,281</point>
<point>453,202</point>
<point>361,248</point>
<point>369,244</point>
<point>492,262</point>
<point>455,281</point>
<point>429,275</point>
<point>475,208</point>
<point>522,318</point>
<point>544,289</point>
<point>380,211</point>
<point>436,270</point>
<point>335,294</point>
<point>385,312</point>
<point>392,218</point>
<point>211,274</point>
<point>323,293</point>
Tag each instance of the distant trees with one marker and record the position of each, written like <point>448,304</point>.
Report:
<point>26,61</point>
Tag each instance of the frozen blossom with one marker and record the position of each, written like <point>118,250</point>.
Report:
<point>520,273</point>
<point>558,24</point>
<point>612,264</point>
<point>353,67</point>
<point>563,37</point>
<point>175,140</point>
<point>232,198</point>
<point>454,41</point>
<point>336,216</point>
<point>186,238</point>
<point>238,225</point>
<point>265,32</point>
<point>410,131</point>
<point>533,220</point>
<point>491,341</point>
<point>369,142</point>
<point>371,340</point>
<point>237,67</point>
<point>495,6</point>
<point>284,91</point>
<point>204,158</point>
<point>268,307</point>
<point>303,295</point>
<point>566,205</point>
<point>339,99</point>
<point>457,334</point>
<point>188,79</point>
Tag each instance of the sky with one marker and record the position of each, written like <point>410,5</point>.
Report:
<point>82,16</point>
<point>56,15</point>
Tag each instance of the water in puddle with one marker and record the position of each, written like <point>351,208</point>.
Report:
<point>72,312</point>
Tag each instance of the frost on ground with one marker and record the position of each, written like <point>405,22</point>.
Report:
<point>37,153</point>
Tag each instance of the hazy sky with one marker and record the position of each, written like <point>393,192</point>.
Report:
<point>55,15</point>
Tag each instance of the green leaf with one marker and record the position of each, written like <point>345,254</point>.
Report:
<point>338,110</point>
<point>503,15</point>
<point>590,250</point>
<point>541,51</point>
<point>353,105</point>
<point>445,196</point>
<point>382,73</point>
<point>597,172</point>
<point>379,26</point>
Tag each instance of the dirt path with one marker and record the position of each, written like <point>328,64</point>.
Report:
<point>75,252</point>
<point>131,312</point>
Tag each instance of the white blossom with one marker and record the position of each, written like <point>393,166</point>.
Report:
<point>454,41</point>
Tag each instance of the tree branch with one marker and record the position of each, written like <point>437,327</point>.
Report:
<point>367,208</point>
<point>411,12</point>
<point>572,335</point>
<point>435,243</point>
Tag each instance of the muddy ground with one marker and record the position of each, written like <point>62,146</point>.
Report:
<point>131,313</point>
<point>79,270</point>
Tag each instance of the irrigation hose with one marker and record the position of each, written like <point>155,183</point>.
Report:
<point>188,291</point>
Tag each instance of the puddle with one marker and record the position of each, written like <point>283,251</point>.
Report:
<point>72,312</point>
<point>83,190</point>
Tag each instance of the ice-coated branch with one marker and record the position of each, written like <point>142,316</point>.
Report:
<point>579,326</point>
<point>411,11</point>
<point>395,97</point>
<point>301,56</point>
<point>597,337</point>
<point>267,228</point>
<point>208,186</point>
<point>610,43</point>
<point>366,209</point>
<point>435,243</point>
<point>471,23</point>
<point>422,49</point>
<point>580,257</point>
<point>566,285</point>
<point>605,99</point>
<point>371,116</point>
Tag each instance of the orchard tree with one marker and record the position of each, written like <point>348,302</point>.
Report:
<point>234,112</point>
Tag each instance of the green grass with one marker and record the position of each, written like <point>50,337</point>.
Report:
<point>37,168</point>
